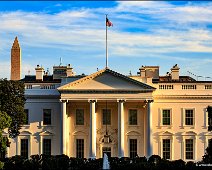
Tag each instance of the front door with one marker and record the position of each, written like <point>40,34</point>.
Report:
<point>106,150</point>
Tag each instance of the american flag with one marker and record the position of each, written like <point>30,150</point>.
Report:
<point>108,23</point>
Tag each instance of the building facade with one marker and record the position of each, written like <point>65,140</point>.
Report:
<point>107,112</point>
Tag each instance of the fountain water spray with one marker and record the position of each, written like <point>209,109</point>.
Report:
<point>106,164</point>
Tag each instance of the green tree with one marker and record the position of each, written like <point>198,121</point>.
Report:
<point>12,100</point>
<point>5,122</point>
<point>207,158</point>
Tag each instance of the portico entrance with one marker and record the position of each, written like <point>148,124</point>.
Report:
<point>107,151</point>
<point>84,115</point>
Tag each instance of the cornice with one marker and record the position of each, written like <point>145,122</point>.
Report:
<point>182,97</point>
<point>42,96</point>
<point>105,91</point>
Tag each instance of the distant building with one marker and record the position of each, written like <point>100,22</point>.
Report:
<point>107,112</point>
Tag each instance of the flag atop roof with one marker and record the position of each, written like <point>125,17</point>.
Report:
<point>108,23</point>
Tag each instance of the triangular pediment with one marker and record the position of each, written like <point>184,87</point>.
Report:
<point>106,80</point>
<point>46,133</point>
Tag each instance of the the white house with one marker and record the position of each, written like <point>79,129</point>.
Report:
<point>107,112</point>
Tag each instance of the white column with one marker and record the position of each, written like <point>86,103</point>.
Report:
<point>68,134</point>
<point>7,150</point>
<point>7,154</point>
<point>121,128</point>
<point>92,133</point>
<point>18,143</point>
<point>149,128</point>
<point>41,145</point>
<point>63,128</point>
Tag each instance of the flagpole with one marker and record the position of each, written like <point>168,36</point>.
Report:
<point>106,42</point>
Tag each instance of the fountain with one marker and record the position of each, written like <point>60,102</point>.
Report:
<point>106,164</point>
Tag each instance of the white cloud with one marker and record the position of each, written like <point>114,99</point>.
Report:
<point>164,10</point>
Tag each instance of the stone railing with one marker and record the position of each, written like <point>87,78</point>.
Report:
<point>183,86</point>
<point>41,86</point>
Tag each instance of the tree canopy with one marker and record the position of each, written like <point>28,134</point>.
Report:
<point>207,158</point>
<point>12,102</point>
<point>5,122</point>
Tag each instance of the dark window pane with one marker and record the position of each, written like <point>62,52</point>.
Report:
<point>47,116</point>
<point>209,120</point>
<point>132,117</point>
<point>47,146</point>
<point>189,152</point>
<point>106,116</point>
<point>189,117</point>
<point>166,149</point>
<point>27,116</point>
<point>24,148</point>
<point>106,150</point>
<point>80,117</point>
<point>133,148</point>
<point>166,117</point>
<point>80,148</point>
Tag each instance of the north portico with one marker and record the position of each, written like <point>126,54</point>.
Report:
<point>106,104</point>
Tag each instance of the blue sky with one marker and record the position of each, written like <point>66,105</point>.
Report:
<point>162,33</point>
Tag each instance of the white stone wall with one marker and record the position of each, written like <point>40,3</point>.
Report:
<point>176,99</point>
<point>35,130</point>
<point>178,131</point>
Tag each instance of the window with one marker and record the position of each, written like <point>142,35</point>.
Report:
<point>46,116</point>
<point>189,148</point>
<point>106,150</point>
<point>209,143</point>
<point>24,148</point>
<point>166,117</point>
<point>189,117</point>
<point>132,117</point>
<point>47,146</point>
<point>209,123</point>
<point>209,110</point>
<point>133,148</point>
<point>80,117</point>
<point>166,148</point>
<point>27,116</point>
<point>106,116</point>
<point>80,148</point>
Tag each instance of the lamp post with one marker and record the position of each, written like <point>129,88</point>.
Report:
<point>106,136</point>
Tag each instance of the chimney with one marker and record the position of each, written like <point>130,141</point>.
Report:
<point>149,71</point>
<point>69,70</point>
<point>175,72</point>
<point>142,71</point>
<point>39,73</point>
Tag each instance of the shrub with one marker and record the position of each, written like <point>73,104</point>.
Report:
<point>63,162</point>
<point>1,165</point>
<point>14,163</point>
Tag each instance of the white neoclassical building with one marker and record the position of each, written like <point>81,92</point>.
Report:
<point>85,116</point>
<point>107,112</point>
